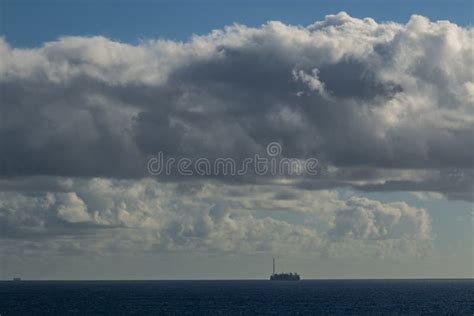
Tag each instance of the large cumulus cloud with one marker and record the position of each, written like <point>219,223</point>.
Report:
<point>353,93</point>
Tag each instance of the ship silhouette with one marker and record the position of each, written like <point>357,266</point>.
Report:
<point>283,276</point>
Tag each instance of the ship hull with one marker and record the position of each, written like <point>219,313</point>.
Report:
<point>284,277</point>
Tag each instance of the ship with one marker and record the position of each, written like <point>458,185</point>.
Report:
<point>283,276</point>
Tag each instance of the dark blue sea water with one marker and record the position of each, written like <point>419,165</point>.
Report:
<point>344,297</point>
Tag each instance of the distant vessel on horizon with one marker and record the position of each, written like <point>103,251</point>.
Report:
<point>283,276</point>
<point>16,279</point>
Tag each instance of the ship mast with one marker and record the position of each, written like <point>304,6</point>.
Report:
<point>273,266</point>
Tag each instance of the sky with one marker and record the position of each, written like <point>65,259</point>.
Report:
<point>27,23</point>
<point>96,97</point>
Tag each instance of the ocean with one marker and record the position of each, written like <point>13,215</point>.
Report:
<point>246,297</point>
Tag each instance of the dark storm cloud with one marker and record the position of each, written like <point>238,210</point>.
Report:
<point>353,93</point>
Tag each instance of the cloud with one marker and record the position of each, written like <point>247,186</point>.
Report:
<point>101,216</point>
<point>368,219</point>
<point>352,92</point>
<point>454,184</point>
<point>72,209</point>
